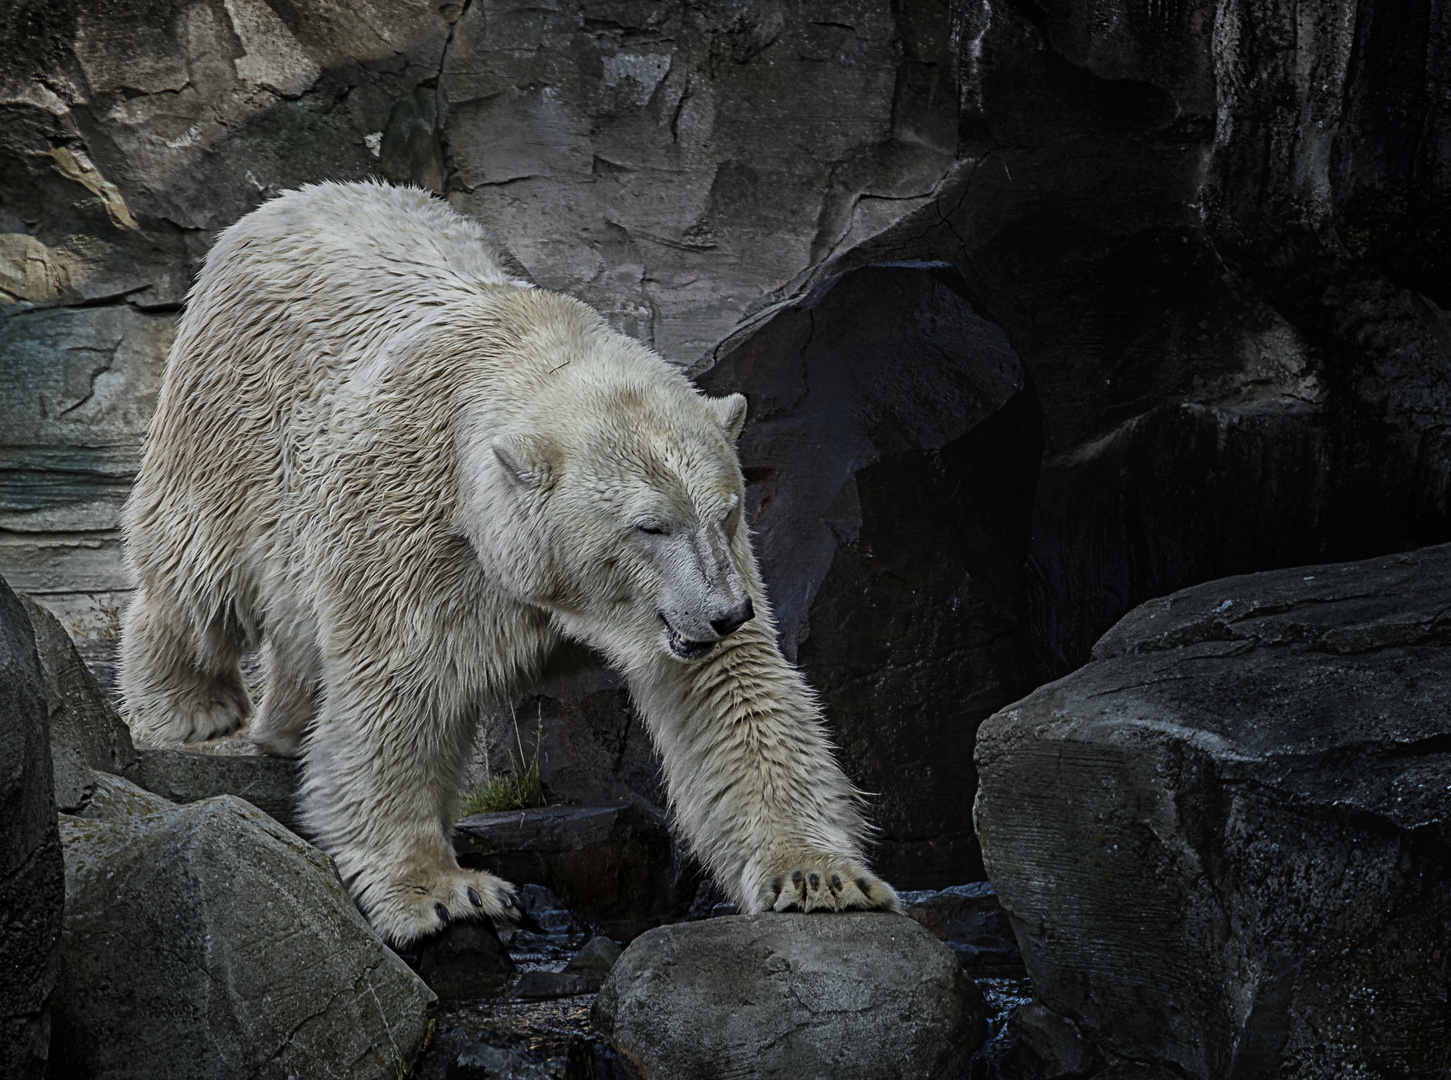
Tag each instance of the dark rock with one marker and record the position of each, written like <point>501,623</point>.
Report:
<point>890,454</point>
<point>206,940</point>
<point>1056,1042</point>
<point>544,913</point>
<point>596,957</point>
<point>1223,843</point>
<point>183,776</point>
<point>972,923</point>
<point>465,960</point>
<point>611,864</point>
<point>481,1061</point>
<point>86,735</point>
<point>540,985</point>
<point>710,903</point>
<point>32,876</point>
<point>771,995</point>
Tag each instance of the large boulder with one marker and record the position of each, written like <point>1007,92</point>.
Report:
<point>1223,843</point>
<point>32,877</point>
<point>208,941</point>
<point>775,996</point>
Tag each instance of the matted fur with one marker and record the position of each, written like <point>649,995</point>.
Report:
<point>409,474</point>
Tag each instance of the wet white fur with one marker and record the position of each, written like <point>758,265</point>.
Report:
<point>328,474</point>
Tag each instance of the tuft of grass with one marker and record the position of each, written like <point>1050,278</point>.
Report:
<point>518,789</point>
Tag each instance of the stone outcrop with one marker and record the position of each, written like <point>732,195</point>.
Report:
<point>32,878</point>
<point>86,735</point>
<point>1223,842</point>
<point>865,995</point>
<point>207,940</point>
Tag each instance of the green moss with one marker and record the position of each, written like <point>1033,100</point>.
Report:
<point>518,789</point>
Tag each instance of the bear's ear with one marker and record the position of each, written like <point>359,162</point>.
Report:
<point>526,459</point>
<point>730,412</point>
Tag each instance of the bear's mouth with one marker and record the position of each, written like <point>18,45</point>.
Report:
<point>682,647</point>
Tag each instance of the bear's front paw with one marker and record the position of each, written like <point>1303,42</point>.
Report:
<point>424,903</point>
<point>827,883</point>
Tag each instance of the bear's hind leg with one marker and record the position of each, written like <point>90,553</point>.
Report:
<point>383,777</point>
<point>290,701</point>
<point>181,683</point>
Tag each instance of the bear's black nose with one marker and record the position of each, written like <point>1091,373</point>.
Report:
<point>735,620</point>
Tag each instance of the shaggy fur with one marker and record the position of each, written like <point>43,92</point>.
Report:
<point>409,475</point>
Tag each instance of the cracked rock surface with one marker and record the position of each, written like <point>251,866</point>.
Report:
<point>865,995</point>
<point>32,878</point>
<point>1223,842</point>
<point>206,940</point>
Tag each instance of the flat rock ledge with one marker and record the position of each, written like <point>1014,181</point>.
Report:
<point>1223,843</point>
<point>862,995</point>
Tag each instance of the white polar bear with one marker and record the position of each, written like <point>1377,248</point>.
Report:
<point>408,475</point>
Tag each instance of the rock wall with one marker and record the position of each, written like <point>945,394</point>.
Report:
<point>1212,232</point>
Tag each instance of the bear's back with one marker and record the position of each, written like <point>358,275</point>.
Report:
<point>291,299</point>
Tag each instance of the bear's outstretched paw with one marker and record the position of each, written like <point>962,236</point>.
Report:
<point>424,903</point>
<point>827,883</point>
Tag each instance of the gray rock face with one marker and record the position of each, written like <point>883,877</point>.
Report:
<point>672,164</point>
<point>86,735</point>
<point>612,864</point>
<point>1223,842</point>
<point>870,996</point>
<point>206,940</point>
<point>32,877</point>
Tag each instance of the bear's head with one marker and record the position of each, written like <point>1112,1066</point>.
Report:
<point>627,497</point>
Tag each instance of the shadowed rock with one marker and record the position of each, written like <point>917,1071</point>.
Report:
<point>32,878</point>
<point>1223,842</point>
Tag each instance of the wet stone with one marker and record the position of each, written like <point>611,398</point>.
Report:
<point>465,959</point>
<point>972,923</point>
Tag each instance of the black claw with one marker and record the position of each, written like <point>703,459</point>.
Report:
<point>861,883</point>
<point>796,878</point>
<point>441,912</point>
<point>815,882</point>
<point>475,898</point>
<point>775,886</point>
<point>508,901</point>
<point>836,883</point>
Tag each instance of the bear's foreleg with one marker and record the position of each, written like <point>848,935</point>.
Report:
<point>753,780</point>
<point>382,773</point>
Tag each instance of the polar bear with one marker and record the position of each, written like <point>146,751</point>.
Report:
<point>407,474</point>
